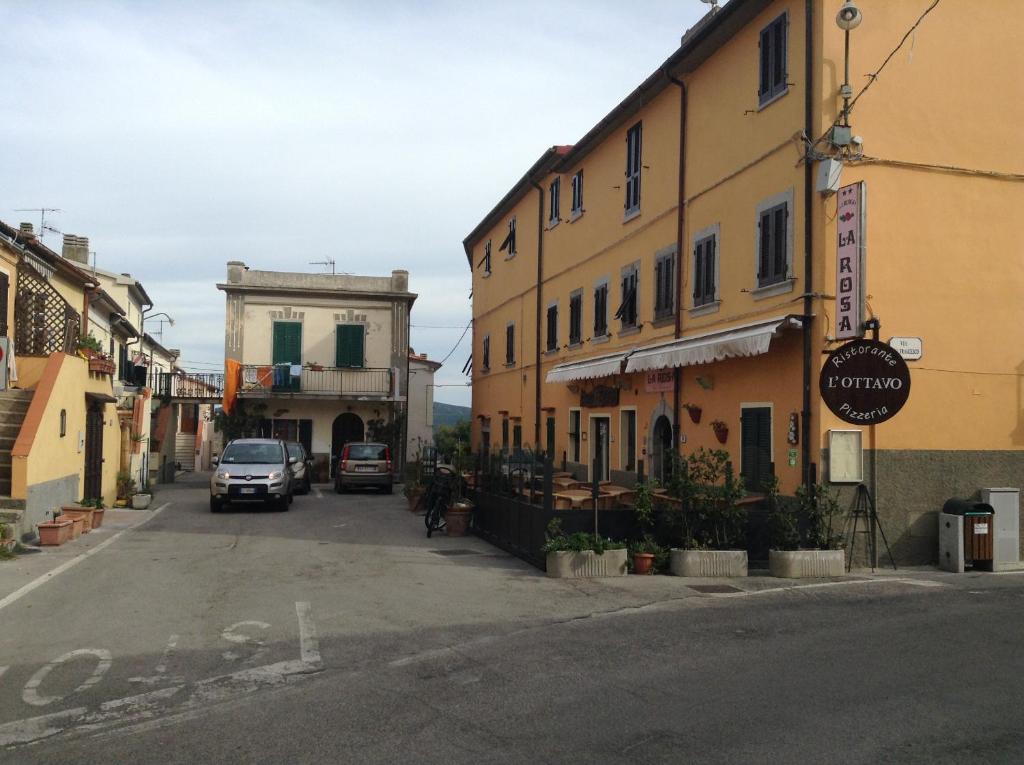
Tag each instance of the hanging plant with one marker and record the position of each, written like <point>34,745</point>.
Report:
<point>694,411</point>
<point>721,430</point>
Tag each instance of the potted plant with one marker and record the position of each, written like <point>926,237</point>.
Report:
<point>581,555</point>
<point>7,540</point>
<point>89,346</point>
<point>694,411</point>
<point>98,511</point>
<point>721,430</point>
<point>711,521</point>
<point>818,553</point>
<point>83,510</point>
<point>460,510</point>
<point>55,532</point>
<point>313,366</point>
<point>125,485</point>
<point>644,550</point>
<point>77,523</point>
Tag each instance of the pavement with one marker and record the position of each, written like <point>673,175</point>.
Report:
<point>337,632</point>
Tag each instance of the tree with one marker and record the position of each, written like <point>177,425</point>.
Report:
<point>451,440</point>
<point>241,423</point>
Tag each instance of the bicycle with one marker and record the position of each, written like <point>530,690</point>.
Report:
<point>438,497</point>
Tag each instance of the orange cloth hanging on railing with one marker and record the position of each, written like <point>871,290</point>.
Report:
<point>232,382</point>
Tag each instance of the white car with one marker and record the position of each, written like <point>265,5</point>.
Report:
<point>252,470</point>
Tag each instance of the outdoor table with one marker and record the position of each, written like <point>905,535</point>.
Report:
<point>620,494</point>
<point>564,482</point>
<point>580,499</point>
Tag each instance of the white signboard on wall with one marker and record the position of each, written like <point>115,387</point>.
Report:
<point>910,348</point>
<point>845,456</point>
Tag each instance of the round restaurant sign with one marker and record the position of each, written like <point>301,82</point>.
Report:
<point>865,382</point>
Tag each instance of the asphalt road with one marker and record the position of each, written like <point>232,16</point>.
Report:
<point>337,632</point>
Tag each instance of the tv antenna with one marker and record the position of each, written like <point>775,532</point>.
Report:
<point>43,228</point>
<point>329,262</point>
<point>324,263</point>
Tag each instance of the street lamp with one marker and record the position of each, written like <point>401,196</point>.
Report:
<point>848,17</point>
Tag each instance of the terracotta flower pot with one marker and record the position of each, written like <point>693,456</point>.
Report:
<point>414,499</point>
<point>97,517</point>
<point>722,434</point>
<point>77,524</point>
<point>642,563</point>
<point>54,532</point>
<point>85,513</point>
<point>457,520</point>
<point>694,412</point>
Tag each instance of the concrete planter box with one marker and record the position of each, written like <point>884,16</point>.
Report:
<point>709,563</point>
<point>141,501</point>
<point>580,565</point>
<point>806,564</point>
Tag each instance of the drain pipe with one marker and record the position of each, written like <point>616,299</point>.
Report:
<point>677,382</point>
<point>806,466</point>
<point>539,310</point>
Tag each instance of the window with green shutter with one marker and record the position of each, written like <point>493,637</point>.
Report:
<point>349,346</point>
<point>287,338</point>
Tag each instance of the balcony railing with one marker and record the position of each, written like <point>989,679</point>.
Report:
<point>265,379</point>
<point>209,387</point>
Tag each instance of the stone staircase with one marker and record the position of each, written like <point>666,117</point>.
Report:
<point>13,408</point>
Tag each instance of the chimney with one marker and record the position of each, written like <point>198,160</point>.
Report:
<point>27,230</point>
<point>76,248</point>
<point>400,281</point>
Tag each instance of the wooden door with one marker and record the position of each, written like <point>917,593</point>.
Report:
<point>94,451</point>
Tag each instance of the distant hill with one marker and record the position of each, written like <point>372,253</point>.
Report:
<point>449,414</point>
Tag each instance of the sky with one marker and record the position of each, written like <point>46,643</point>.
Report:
<point>178,136</point>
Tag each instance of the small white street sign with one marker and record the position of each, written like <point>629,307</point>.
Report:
<point>910,348</point>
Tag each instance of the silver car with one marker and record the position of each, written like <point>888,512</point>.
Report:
<point>252,470</point>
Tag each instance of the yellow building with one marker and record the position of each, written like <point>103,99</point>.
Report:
<point>60,429</point>
<point>676,267</point>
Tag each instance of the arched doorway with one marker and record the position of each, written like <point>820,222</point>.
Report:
<point>347,427</point>
<point>661,454</point>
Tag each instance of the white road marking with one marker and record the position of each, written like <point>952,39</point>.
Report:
<point>309,644</point>
<point>2,670</point>
<point>818,585</point>
<point>30,694</point>
<point>172,643</point>
<point>161,675</point>
<point>23,591</point>
<point>233,636</point>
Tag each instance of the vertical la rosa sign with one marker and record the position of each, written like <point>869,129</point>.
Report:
<point>850,231</point>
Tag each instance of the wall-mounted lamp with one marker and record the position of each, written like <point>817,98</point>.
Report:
<point>63,422</point>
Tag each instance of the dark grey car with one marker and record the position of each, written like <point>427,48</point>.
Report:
<point>302,466</point>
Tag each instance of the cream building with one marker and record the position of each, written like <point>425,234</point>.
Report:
<point>325,356</point>
<point>420,429</point>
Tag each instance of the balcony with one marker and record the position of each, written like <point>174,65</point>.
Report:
<point>266,381</point>
<point>194,387</point>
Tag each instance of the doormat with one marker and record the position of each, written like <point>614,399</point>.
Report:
<point>455,552</point>
<point>714,589</point>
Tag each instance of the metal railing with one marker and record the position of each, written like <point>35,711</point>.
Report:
<point>191,386</point>
<point>260,379</point>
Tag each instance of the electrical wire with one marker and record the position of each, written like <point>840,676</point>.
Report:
<point>457,342</point>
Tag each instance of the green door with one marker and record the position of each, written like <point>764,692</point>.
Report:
<point>287,352</point>
<point>349,346</point>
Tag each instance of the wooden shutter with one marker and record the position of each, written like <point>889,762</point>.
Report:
<point>5,286</point>
<point>287,342</point>
<point>709,270</point>
<point>551,437</point>
<point>349,346</point>
<point>756,447</point>
<point>779,56</point>
<point>698,275</point>
<point>766,49</point>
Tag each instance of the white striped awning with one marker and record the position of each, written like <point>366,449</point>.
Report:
<point>747,340</point>
<point>587,369</point>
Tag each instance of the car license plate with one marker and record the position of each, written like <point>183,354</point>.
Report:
<point>247,490</point>
<point>365,469</point>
